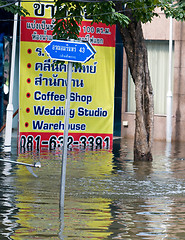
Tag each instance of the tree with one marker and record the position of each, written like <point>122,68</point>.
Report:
<point>128,15</point>
<point>10,6</point>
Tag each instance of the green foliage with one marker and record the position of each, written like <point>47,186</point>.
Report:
<point>105,12</point>
<point>176,9</point>
<point>68,17</point>
<point>70,14</point>
<point>11,7</point>
<point>143,10</point>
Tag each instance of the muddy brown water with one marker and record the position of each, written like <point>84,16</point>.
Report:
<point>108,196</point>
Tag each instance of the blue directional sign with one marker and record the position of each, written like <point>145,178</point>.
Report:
<point>71,51</point>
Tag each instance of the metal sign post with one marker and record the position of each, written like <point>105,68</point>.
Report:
<point>71,51</point>
<point>65,138</point>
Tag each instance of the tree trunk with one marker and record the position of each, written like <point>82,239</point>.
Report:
<point>137,56</point>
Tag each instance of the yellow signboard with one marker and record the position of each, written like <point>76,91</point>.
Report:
<point>43,86</point>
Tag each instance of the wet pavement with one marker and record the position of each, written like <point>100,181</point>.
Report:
<point>108,196</point>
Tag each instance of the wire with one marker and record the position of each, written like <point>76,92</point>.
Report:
<point>49,1</point>
<point>96,15</point>
<point>8,4</point>
<point>11,2</point>
<point>53,1</point>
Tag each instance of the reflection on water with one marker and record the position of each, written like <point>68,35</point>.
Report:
<point>108,196</point>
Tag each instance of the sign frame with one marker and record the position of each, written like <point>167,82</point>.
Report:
<point>70,50</point>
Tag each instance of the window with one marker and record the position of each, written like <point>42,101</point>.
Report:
<point>158,52</point>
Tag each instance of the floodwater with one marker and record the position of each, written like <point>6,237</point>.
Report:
<point>108,196</point>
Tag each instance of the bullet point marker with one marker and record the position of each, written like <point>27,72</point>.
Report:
<point>28,80</point>
<point>27,110</point>
<point>28,95</point>
<point>29,51</point>
<point>29,65</point>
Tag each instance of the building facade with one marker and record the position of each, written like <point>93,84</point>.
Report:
<point>157,35</point>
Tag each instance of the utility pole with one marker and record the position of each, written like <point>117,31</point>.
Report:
<point>9,110</point>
